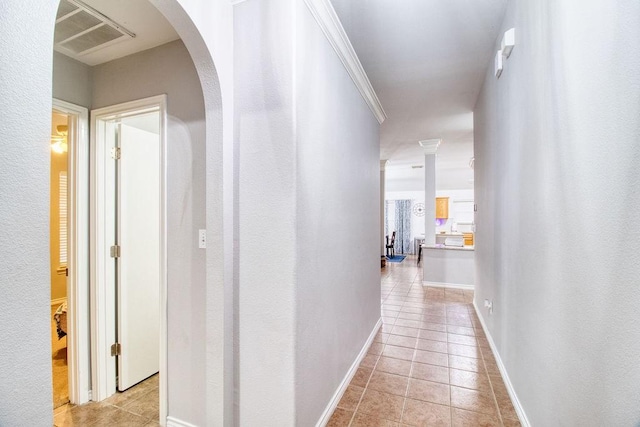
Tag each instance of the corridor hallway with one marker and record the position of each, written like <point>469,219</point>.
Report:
<point>430,364</point>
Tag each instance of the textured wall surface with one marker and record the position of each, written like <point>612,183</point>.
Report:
<point>25,107</point>
<point>337,225</point>
<point>169,69</point>
<point>267,181</point>
<point>557,186</point>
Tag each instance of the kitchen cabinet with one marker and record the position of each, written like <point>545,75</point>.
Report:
<point>442,207</point>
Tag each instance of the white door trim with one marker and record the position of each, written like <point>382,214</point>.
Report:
<point>78,345</point>
<point>102,271</point>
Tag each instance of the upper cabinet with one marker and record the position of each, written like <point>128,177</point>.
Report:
<point>442,207</point>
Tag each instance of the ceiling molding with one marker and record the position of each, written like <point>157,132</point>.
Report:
<point>430,146</point>
<point>325,15</point>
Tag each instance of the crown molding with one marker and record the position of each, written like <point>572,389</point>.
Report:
<point>325,15</point>
<point>430,146</point>
<point>383,164</point>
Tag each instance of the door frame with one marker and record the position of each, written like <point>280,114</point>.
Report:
<point>103,270</point>
<point>78,346</point>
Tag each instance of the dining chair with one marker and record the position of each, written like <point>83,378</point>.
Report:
<point>390,245</point>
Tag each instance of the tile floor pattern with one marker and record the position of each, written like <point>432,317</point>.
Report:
<point>430,364</point>
<point>136,407</point>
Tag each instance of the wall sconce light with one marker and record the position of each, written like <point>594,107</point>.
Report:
<point>508,42</point>
<point>498,64</point>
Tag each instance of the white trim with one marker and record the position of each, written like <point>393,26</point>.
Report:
<point>102,271</point>
<point>58,301</point>
<point>448,285</point>
<point>326,16</point>
<point>164,310</point>
<point>234,2</point>
<point>333,403</point>
<point>430,146</point>
<point>503,372</point>
<point>174,422</point>
<point>78,343</point>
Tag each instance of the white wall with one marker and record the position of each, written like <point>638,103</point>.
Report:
<point>337,225</point>
<point>206,28</point>
<point>169,69</point>
<point>558,240</point>
<point>265,112</point>
<point>72,80</point>
<point>26,36</point>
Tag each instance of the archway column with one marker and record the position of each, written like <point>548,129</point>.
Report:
<point>430,147</point>
<point>383,178</point>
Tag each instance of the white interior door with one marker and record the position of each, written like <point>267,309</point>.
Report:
<point>138,236</point>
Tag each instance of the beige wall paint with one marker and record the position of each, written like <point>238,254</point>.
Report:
<point>58,164</point>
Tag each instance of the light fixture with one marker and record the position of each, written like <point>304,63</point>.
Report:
<point>498,64</point>
<point>508,41</point>
<point>59,142</point>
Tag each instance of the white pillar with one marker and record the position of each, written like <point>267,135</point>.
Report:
<point>383,164</point>
<point>430,146</point>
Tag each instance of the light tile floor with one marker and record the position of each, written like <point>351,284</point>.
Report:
<point>430,364</point>
<point>136,407</point>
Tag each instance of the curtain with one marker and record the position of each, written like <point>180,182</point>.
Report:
<point>403,227</point>
<point>386,218</point>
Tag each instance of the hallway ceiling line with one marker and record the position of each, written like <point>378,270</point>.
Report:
<point>327,18</point>
<point>426,60</point>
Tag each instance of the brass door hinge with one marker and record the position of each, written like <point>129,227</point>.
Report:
<point>116,349</point>
<point>115,251</point>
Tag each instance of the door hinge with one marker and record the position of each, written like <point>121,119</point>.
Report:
<point>115,251</point>
<point>115,153</point>
<point>116,349</point>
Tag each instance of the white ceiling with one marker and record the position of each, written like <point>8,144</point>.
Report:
<point>426,60</point>
<point>138,16</point>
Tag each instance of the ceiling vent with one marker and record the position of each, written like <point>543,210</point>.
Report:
<point>81,29</point>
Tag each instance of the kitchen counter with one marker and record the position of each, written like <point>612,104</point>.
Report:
<point>449,248</point>
<point>448,266</point>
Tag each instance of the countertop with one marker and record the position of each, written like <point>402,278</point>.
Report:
<point>449,248</point>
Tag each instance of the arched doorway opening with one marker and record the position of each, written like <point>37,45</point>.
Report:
<point>194,195</point>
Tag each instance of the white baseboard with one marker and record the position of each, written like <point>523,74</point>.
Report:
<point>174,422</point>
<point>333,403</point>
<point>448,285</point>
<point>503,372</point>
<point>58,301</point>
